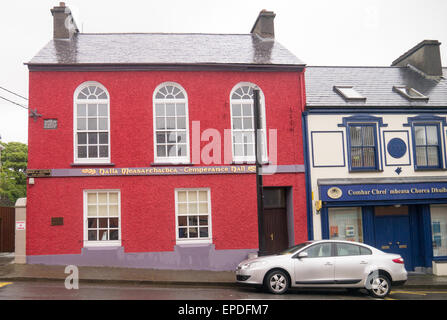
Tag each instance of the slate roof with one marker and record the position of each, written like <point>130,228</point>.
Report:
<point>374,83</point>
<point>164,49</point>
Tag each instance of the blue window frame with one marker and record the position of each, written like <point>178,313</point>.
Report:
<point>427,146</point>
<point>362,146</point>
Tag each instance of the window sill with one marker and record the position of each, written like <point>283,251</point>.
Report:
<point>87,164</point>
<point>161,164</point>
<point>250,162</point>
<point>102,244</point>
<point>441,259</point>
<point>430,169</point>
<point>194,243</point>
<point>364,170</point>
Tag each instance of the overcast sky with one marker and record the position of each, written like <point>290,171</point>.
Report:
<point>319,32</point>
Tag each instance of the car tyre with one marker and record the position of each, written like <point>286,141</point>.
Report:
<point>378,285</point>
<point>277,282</point>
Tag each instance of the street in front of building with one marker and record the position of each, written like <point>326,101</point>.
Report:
<point>55,290</point>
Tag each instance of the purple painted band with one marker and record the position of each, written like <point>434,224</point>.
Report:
<point>169,170</point>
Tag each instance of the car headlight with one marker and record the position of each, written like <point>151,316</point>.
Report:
<point>251,265</point>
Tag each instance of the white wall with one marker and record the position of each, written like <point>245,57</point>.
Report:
<point>328,152</point>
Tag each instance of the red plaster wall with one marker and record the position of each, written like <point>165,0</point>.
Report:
<point>147,203</point>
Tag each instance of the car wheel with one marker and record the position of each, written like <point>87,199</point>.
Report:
<point>379,286</point>
<point>277,282</point>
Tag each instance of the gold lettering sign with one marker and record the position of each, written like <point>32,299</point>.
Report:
<point>149,171</point>
<point>89,171</point>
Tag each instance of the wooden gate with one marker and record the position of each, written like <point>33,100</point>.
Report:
<point>7,223</point>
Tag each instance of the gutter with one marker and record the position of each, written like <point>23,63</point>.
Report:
<point>163,67</point>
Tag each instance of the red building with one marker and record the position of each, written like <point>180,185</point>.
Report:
<point>141,148</point>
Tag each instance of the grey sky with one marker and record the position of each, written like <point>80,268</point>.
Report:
<point>319,32</point>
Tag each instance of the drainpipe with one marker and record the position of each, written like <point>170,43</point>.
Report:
<point>259,184</point>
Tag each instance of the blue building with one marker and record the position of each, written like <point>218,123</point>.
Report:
<point>375,143</point>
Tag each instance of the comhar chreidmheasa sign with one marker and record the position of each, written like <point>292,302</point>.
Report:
<point>376,192</point>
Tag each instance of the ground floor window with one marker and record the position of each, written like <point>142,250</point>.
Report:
<point>439,229</point>
<point>346,224</point>
<point>102,217</point>
<point>193,215</point>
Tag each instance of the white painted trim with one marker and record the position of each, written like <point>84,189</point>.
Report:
<point>209,239</point>
<point>86,242</point>
<point>243,159</point>
<point>173,160</point>
<point>75,126</point>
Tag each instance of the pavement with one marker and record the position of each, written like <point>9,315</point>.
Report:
<point>9,271</point>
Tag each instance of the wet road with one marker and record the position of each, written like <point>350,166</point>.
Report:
<point>89,291</point>
<point>52,290</point>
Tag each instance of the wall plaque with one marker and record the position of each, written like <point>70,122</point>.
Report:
<point>35,173</point>
<point>57,221</point>
<point>50,123</point>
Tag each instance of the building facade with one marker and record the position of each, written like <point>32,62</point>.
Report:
<point>376,155</point>
<point>141,148</point>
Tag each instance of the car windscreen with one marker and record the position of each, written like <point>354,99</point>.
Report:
<point>294,248</point>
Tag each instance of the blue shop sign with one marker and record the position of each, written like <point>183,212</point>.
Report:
<point>381,192</point>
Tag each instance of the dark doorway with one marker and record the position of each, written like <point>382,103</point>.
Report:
<point>275,220</point>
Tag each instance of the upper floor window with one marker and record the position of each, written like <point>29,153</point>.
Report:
<point>427,146</point>
<point>242,123</point>
<point>362,146</point>
<point>91,124</point>
<point>171,127</point>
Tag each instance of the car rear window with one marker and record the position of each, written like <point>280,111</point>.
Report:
<point>347,249</point>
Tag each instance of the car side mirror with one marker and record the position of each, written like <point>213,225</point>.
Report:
<point>302,255</point>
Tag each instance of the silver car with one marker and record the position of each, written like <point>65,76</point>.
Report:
<point>326,263</point>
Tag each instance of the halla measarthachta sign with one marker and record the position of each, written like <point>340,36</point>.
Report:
<point>160,171</point>
<point>182,170</point>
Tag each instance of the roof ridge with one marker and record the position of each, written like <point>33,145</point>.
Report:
<point>162,33</point>
<point>372,67</point>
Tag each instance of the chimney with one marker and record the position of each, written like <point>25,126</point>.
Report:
<point>425,57</point>
<point>64,25</point>
<point>264,26</point>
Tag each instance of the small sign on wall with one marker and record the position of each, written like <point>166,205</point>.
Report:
<point>20,225</point>
<point>50,123</point>
<point>57,221</point>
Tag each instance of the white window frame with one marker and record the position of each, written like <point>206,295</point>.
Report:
<point>178,159</point>
<point>209,239</point>
<point>249,159</point>
<point>76,101</point>
<point>106,243</point>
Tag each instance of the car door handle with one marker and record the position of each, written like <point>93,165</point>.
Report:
<point>328,264</point>
<point>363,262</point>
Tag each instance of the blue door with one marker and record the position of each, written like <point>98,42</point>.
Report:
<point>392,232</point>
